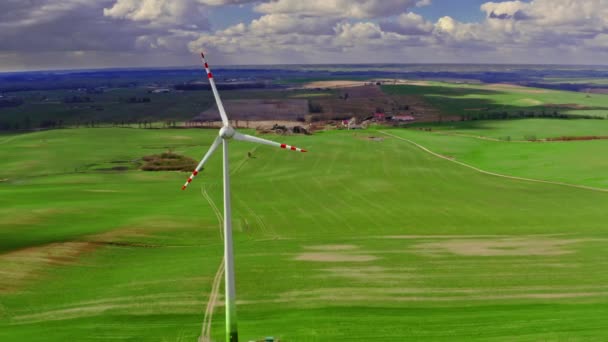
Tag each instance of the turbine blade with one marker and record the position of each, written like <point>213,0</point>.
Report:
<point>212,149</point>
<point>245,137</point>
<point>218,100</point>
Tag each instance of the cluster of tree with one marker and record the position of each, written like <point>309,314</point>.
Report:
<point>7,126</point>
<point>11,102</point>
<point>221,86</point>
<point>27,124</point>
<point>172,124</point>
<point>77,99</point>
<point>138,100</point>
<point>314,107</point>
<point>51,124</point>
<point>522,114</point>
<point>98,90</point>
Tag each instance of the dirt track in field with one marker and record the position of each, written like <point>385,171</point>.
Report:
<point>212,302</point>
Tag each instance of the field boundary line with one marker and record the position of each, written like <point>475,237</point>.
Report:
<point>493,173</point>
<point>217,279</point>
<point>263,227</point>
<point>480,137</point>
<point>537,141</point>
<point>218,213</point>
<point>4,141</point>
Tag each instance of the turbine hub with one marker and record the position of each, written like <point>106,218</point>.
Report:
<point>226,132</point>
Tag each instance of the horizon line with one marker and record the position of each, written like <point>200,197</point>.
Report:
<point>220,66</point>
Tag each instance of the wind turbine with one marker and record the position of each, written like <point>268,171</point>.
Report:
<point>227,132</point>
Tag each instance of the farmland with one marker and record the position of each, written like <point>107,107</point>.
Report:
<point>473,100</point>
<point>114,107</point>
<point>517,130</point>
<point>484,144</point>
<point>360,239</point>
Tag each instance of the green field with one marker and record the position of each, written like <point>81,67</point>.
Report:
<point>573,162</point>
<point>528,129</point>
<point>360,239</point>
<point>474,100</point>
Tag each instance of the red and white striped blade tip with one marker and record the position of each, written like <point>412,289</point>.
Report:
<point>194,173</point>
<point>293,148</point>
<point>209,74</point>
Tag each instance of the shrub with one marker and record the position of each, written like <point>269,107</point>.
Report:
<point>168,161</point>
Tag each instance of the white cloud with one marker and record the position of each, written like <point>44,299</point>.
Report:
<point>422,3</point>
<point>446,24</point>
<point>512,30</point>
<point>357,33</point>
<point>550,12</point>
<point>358,9</point>
<point>408,24</point>
<point>506,9</point>
<point>569,12</point>
<point>598,42</point>
<point>224,2</point>
<point>302,31</point>
<point>158,12</point>
<point>234,30</point>
<point>280,23</point>
<point>16,14</point>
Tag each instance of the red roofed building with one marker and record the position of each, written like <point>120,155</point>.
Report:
<point>380,116</point>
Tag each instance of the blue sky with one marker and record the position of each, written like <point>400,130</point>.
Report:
<point>461,10</point>
<point>225,16</point>
<point>48,34</point>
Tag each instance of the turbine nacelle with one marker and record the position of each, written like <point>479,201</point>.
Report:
<point>227,132</point>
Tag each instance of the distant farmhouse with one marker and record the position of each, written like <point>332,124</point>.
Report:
<point>161,91</point>
<point>380,117</point>
<point>403,118</point>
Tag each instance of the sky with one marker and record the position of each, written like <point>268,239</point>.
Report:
<point>67,34</point>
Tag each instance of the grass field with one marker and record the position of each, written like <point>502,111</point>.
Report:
<point>360,239</point>
<point>475,99</point>
<point>522,129</point>
<point>574,162</point>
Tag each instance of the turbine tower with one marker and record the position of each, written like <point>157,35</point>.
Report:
<point>227,132</point>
